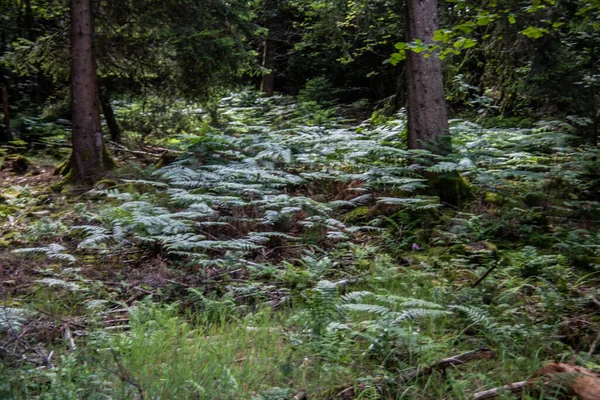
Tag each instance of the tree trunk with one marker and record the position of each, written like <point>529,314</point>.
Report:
<point>427,115</point>
<point>29,21</point>
<point>593,103</point>
<point>6,134</point>
<point>267,84</point>
<point>109,116</point>
<point>88,161</point>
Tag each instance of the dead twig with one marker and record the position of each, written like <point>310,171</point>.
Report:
<point>493,393</point>
<point>489,271</point>
<point>135,152</point>
<point>6,352</point>
<point>69,337</point>
<point>124,376</point>
<point>185,285</point>
<point>594,345</point>
<point>481,353</point>
<point>116,321</point>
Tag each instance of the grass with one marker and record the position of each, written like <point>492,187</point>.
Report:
<point>271,323</point>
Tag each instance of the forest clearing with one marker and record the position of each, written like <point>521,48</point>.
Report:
<point>282,201</point>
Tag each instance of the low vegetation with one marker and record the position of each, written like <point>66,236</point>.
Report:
<point>296,251</point>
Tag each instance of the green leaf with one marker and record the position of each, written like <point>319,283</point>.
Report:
<point>533,32</point>
<point>483,20</point>
<point>442,35</point>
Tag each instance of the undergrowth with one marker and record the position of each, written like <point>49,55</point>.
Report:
<point>305,254</point>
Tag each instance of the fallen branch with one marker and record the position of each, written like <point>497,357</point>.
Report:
<point>185,285</point>
<point>489,271</point>
<point>381,383</point>
<point>69,337</point>
<point>594,346</point>
<point>482,353</point>
<point>577,381</point>
<point>116,321</point>
<point>6,352</point>
<point>136,152</point>
<point>493,393</point>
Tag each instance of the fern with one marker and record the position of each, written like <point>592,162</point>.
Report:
<point>52,251</point>
<point>12,318</point>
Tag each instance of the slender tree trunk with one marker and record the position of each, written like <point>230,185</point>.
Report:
<point>109,116</point>
<point>29,21</point>
<point>6,134</point>
<point>426,105</point>
<point>267,84</point>
<point>88,161</point>
<point>594,104</point>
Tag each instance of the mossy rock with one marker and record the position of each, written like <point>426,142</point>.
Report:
<point>451,187</point>
<point>18,164</point>
<point>493,198</point>
<point>535,199</point>
<point>482,249</point>
<point>63,168</point>
<point>59,186</point>
<point>166,159</point>
<point>356,215</point>
<point>6,210</point>
<point>105,184</point>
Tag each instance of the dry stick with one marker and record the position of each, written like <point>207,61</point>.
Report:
<point>481,353</point>
<point>116,321</point>
<point>124,376</point>
<point>185,285</point>
<point>69,338</point>
<point>493,393</point>
<point>136,152</point>
<point>594,345</point>
<point>6,352</point>
<point>62,320</point>
<point>597,341</point>
<point>489,271</point>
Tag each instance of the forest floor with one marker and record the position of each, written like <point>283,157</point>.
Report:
<point>295,253</point>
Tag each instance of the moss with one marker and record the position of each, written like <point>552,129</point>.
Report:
<point>358,214</point>
<point>482,248</point>
<point>165,159</point>
<point>10,236</point>
<point>105,184</point>
<point>108,161</point>
<point>451,187</point>
<point>59,186</point>
<point>19,164</point>
<point>6,210</point>
<point>534,199</point>
<point>63,168</point>
<point>493,198</point>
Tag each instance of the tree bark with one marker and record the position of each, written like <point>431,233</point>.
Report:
<point>88,161</point>
<point>111,121</point>
<point>267,84</point>
<point>426,103</point>
<point>29,21</point>
<point>6,134</point>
